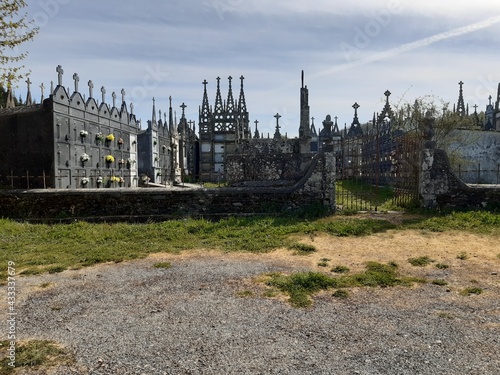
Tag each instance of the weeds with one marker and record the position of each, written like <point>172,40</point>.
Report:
<point>462,256</point>
<point>323,262</point>
<point>420,261</point>
<point>439,282</point>
<point>340,293</point>
<point>34,354</point>
<point>471,290</point>
<point>340,269</point>
<point>301,248</point>
<point>164,265</point>
<point>300,286</point>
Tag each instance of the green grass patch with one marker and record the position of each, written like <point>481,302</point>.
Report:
<point>439,282</point>
<point>420,261</point>
<point>165,265</point>
<point>483,222</point>
<point>301,248</point>
<point>323,262</point>
<point>244,293</point>
<point>471,290</point>
<point>340,293</point>
<point>462,256</point>
<point>340,269</point>
<point>353,195</point>
<point>34,354</point>
<point>300,286</point>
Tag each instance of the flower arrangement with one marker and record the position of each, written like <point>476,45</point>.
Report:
<point>99,179</point>
<point>130,161</point>
<point>85,181</point>
<point>121,180</point>
<point>83,133</point>
<point>120,141</point>
<point>121,161</point>
<point>110,138</point>
<point>114,179</point>
<point>84,158</point>
<point>99,137</point>
<point>109,159</point>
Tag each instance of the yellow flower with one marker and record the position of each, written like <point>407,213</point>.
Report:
<point>110,159</point>
<point>110,137</point>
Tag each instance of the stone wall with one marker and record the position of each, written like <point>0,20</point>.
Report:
<point>440,188</point>
<point>478,153</point>
<point>316,189</point>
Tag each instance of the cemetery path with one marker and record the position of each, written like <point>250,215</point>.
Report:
<point>209,312</point>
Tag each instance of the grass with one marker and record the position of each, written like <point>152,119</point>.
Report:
<point>462,256</point>
<point>323,262</point>
<point>442,266</point>
<point>354,196</point>
<point>420,261</point>
<point>165,265</point>
<point>42,248</point>
<point>301,248</point>
<point>300,286</point>
<point>471,290</point>
<point>33,354</point>
<point>439,282</point>
<point>340,269</point>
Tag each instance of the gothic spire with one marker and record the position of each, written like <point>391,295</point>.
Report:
<point>205,107</point>
<point>460,104</point>
<point>256,134</point>
<point>242,106</point>
<point>230,99</point>
<point>170,116</point>
<point>219,108</point>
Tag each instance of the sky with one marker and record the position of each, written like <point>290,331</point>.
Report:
<point>349,53</point>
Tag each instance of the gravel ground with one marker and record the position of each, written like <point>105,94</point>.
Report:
<point>132,318</point>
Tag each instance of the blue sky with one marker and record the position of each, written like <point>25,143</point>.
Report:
<point>349,52</point>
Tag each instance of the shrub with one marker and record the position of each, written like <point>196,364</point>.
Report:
<point>462,256</point>
<point>165,265</point>
<point>439,282</point>
<point>442,266</point>
<point>302,248</point>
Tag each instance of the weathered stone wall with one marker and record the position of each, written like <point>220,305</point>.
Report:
<point>267,160</point>
<point>477,150</point>
<point>441,188</point>
<point>315,188</point>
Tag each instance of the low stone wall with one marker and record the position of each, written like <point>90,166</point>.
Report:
<point>316,188</point>
<point>440,188</point>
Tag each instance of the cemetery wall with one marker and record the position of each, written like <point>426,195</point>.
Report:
<point>316,189</point>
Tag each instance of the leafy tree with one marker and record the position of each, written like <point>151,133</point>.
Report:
<point>15,29</point>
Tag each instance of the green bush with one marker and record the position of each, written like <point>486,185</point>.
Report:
<point>420,261</point>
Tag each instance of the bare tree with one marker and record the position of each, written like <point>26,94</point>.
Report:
<point>15,29</point>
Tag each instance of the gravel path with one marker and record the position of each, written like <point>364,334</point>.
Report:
<point>132,318</point>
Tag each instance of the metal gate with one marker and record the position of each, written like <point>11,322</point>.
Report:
<point>377,170</point>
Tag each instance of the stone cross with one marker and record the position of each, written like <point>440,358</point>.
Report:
<point>28,82</point>
<point>77,79</point>
<point>336,118</point>
<point>113,95</point>
<point>242,78</point>
<point>103,92</point>
<point>490,97</point>
<point>42,87</point>
<point>183,106</point>
<point>256,122</point>
<point>312,118</point>
<point>205,83</point>
<point>387,94</point>
<point>356,106</point>
<point>475,106</point>
<point>91,87</point>
<point>123,95</point>
<point>60,72</point>
<point>277,117</point>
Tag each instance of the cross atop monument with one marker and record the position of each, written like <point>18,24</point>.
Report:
<point>60,72</point>
<point>489,98</point>
<point>356,106</point>
<point>205,83</point>
<point>113,95</point>
<point>28,82</point>
<point>277,117</point>
<point>123,95</point>
<point>183,106</point>
<point>76,79</point>
<point>103,92</point>
<point>387,94</point>
<point>475,105</point>
<point>91,89</point>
